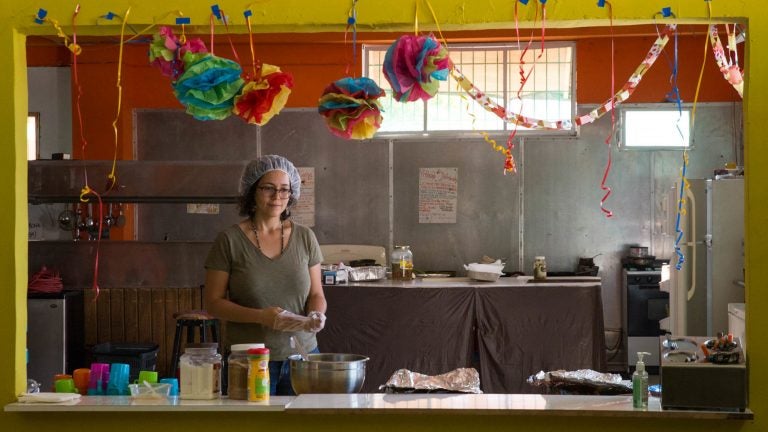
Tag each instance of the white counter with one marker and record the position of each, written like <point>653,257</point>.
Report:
<point>378,403</point>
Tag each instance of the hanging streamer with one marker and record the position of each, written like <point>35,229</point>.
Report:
<point>86,190</point>
<point>605,188</point>
<point>350,106</point>
<point>112,177</point>
<point>351,23</point>
<point>265,92</point>
<point>729,66</point>
<point>683,171</point>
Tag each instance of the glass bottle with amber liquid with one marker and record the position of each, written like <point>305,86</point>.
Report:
<point>402,263</point>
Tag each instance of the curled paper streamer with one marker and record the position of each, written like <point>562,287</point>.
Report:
<point>730,69</point>
<point>208,86</point>
<point>351,107</point>
<point>263,98</point>
<point>413,66</point>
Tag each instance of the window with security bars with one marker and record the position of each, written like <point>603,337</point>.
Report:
<point>548,93</point>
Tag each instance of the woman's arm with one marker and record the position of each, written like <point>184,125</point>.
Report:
<point>217,304</point>
<point>316,300</point>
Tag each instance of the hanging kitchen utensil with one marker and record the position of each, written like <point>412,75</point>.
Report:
<point>120,220</point>
<point>67,219</point>
<point>109,220</point>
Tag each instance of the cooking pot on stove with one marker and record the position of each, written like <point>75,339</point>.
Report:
<point>644,261</point>
<point>638,251</point>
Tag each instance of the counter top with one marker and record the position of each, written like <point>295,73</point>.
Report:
<point>464,282</point>
<point>378,403</point>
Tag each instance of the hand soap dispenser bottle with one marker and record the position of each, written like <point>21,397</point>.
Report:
<point>640,383</point>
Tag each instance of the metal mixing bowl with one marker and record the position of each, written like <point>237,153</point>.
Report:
<point>328,373</point>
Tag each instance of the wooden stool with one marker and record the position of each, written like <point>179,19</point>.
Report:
<point>191,321</point>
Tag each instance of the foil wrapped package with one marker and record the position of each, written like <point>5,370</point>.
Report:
<point>581,382</point>
<point>366,273</point>
<point>462,380</point>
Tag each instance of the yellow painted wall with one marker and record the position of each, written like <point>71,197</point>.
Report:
<point>324,15</point>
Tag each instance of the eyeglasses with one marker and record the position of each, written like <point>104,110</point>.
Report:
<point>270,190</point>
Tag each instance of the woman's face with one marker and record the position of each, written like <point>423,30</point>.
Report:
<point>272,193</point>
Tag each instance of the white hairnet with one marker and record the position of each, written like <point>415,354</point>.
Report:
<point>257,168</point>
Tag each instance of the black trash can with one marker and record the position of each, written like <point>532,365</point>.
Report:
<point>138,356</point>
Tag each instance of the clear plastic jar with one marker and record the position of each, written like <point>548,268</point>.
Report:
<point>539,268</point>
<point>402,263</point>
<point>237,370</point>
<point>200,372</point>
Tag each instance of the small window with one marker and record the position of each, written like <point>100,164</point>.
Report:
<point>655,127</point>
<point>33,132</point>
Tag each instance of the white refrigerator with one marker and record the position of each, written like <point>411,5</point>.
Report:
<point>712,273</point>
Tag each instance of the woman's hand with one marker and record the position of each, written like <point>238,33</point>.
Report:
<point>317,321</point>
<point>269,316</point>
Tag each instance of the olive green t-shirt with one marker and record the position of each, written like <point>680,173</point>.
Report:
<point>259,282</point>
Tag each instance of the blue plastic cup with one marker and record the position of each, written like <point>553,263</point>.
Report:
<point>174,385</point>
<point>118,380</point>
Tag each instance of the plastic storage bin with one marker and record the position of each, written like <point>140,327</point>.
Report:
<point>139,356</point>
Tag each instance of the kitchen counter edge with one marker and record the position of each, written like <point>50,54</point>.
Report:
<point>378,403</point>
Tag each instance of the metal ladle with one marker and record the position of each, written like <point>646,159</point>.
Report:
<point>66,219</point>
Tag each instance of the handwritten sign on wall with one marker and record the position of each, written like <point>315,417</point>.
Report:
<point>438,194</point>
<point>304,211</point>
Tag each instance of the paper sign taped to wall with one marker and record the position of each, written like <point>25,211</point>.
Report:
<point>438,195</point>
<point>304,211</point>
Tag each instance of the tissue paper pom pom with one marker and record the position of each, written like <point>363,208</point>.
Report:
<point>413,64</point>
<point>166,52</point>
<point>264,97</point>
<point>351,108</point>
<point>208,86</point>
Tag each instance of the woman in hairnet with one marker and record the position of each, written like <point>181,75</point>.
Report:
<point>263,273</point>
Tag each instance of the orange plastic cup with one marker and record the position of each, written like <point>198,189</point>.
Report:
<point>81,377</point>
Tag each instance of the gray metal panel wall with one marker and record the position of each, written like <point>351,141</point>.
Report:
<point>487,204</point>
<point>352,186</point>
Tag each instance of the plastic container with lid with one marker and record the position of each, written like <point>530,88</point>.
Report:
<point>237,370</point>
<point>200,372</point>
<point>539,268</point>
<point>258,375</point>
<point>402,263</point>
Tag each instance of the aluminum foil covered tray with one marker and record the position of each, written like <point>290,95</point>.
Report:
<point>581,382</point>
<point>366,273</point>
<point>462,380</point>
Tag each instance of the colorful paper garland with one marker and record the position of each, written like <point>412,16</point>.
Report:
<point>730,69</point>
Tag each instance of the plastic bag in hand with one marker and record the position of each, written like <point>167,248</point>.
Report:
<point>291,322</point>
<point>317,321</point>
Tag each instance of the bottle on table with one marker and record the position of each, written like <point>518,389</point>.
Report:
<point>402,263</point>
<point>258,375</point>
<point>539,268</point>
<point>640,383</point>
